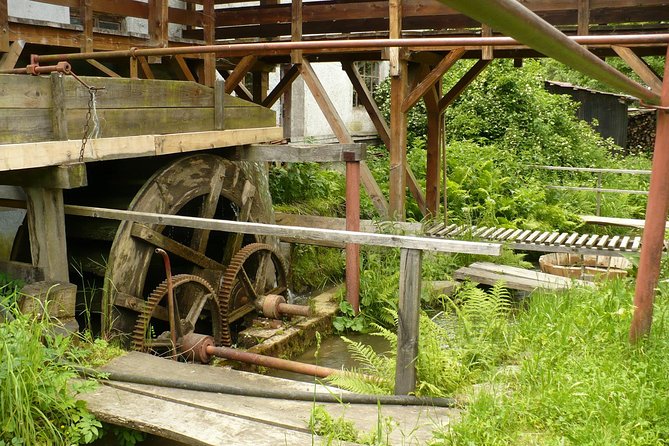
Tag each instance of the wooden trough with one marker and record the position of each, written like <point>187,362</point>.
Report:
<point>585,267</point>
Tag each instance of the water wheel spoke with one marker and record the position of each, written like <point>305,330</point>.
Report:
<point>261,276</point>
<point>248,285</point>
<point>195,311</point>
<point>159,240</point>
<point>201,236</point>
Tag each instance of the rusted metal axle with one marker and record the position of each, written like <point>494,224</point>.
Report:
<point>275,306</point>
<point>35,69</point>
<point>201,348</point>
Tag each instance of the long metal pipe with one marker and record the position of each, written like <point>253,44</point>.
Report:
<point>513,19</point>
<point>652,242</point>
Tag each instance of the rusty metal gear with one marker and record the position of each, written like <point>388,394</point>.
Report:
<point>144,337</point>
<point>245,279</point>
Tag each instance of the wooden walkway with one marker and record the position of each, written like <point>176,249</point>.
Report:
<point>203,418</point>
<point>529,240</point>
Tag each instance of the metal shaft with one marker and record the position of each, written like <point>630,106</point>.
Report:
<point>294,310</point>
<point>270,362</point>
<point>519,22</point>
<point>170,301</point>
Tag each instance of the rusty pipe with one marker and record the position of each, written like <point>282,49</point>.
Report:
<point>170,301</point>
<point>294,310</point>
<point>657,207</point>
<point>369,44</point>
<point>36,70</point>
<point>274,306</point>
<point>270,362</point>
<point>519,22</point>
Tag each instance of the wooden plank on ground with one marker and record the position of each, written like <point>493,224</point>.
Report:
<point>514,282</point>
<point>527,274</point>
<point>613,221</point>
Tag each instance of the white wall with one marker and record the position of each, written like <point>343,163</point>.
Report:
<point>27,9</point>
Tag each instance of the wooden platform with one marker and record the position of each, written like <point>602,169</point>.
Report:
<point>542,241</point>
<point>201,418</point>
<point>515,278</point>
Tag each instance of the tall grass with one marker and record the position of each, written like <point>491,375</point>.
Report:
<point>37,406</point>
<point>577,381</point>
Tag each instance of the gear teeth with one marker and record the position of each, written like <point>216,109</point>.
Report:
<point>230,278</point>
<point>142,324</point>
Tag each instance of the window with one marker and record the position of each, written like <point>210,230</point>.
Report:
<point>370,72</point>
<point>106,22</point>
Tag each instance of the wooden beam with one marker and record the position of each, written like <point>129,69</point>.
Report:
<point>24,272</point>
<point>181,68</point>
<point>158,23</point>
<point>296,29</point>
<point>260,86</point>
<point>433,168</point>
<point>4,27</point>
<point>583,26</point>
<point>58,108</point>
<point>395,32</point>
<point>134,68</point>
<point>283,85</point>
<point>9,59</point>
<point>52,153</point>
<point>408,321</point>
<point>398,141</point>
<point>209,29</point>
<point>86,15</point>
<point>146,68</point>
<point>46,226</point>
<point>434,76</point>
<point>640,67</point>
<point>106,70</point>
<point>219,104</point>
<point>486,51</point>
<point>462,84</point>
<point>237,75</point>
<point>65,176</point>
<point>341,132</point>
<point>241,90</point>
<point>300,153</point>
<point>326,235</point>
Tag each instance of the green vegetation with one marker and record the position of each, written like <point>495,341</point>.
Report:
<point>334,430</point>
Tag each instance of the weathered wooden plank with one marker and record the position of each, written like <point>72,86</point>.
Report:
<point>46,224</point>
<point>572,238</point>
<point>19,125</point>
<point>613,242</point>
<point>315,221</point>
<point>9,59</point>
<point>66,176</point>
<point>397,241</point>
<point>592,240</point>
<point>58,107</point>
<point>248,117</point>
<point>20,91</point>
<point>22,271</point>
<point>527,274</point>
<point>462,84</point>
<point>51,153</point>
<point>296,29</point>
<point>283,85</point>
<point>100,66</point>
<point>407,321</point>
<point>583,26</point>
<point>486,51</point>
<point>636,243</point>
<point>640,67</point>
<point>562,237</point>
<point>237,75</point>
<point>134,93</point>
<point>301,153</point>
<point>433,76</point>
<point>623,243</point>
<point>613,221</point>
<point>219,104</point>
<point>491,278</point>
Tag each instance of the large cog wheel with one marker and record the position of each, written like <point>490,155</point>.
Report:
<point>255,270</point>
<point>195,298</point>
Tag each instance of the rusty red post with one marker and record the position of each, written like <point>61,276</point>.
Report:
<point>170,301</point>
<point>353,224</point>
<point>652,242</point>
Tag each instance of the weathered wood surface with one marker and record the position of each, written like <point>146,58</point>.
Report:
<point>316,221</point>
<point>66,176</point>
<point>613,221</point>
<point>408,321</point>
<point>238,420</point>
<point>53,298</point>
<point>301,153</point>
<point>37,109</point>
<point>52,153</point>
<point>515,278</point>
<point>327,235</point>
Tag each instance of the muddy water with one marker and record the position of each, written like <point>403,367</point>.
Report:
<point>334,354</point>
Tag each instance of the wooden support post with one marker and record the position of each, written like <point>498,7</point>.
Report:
<point>58,108</point>
<point>239,73</point>
<point>640,67</point>
<point>241,90</point>
<point>219,105</point>
<point>282,87</point>
<point>9,59</point>
<point>398,118</point>
<point>86,14</point>
<point>46,225</point>
<point>353,224</point>
<point>296,29</point>
<point>209,28</point>
<point>181,68</point>
<point>4,27</point>
<point>462,84</point>
<point>408,320</point>
<point>158,23</point>
<point>486,51</point>
<point>652,242</point>
<point>432,78</point>
<point>260,86</point>
<point>134,68</point>
<point>583,18</point>
<point>342,134</point>
<point>106,70</point>
<point>434,131</point>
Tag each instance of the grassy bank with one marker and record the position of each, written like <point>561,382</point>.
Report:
<point>573,378</point>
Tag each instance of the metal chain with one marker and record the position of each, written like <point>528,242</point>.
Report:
<point>87,123</point>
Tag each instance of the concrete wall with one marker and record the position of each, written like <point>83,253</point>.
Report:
<point>141,26</point>
<point>308,122</point>
<point>27,9</point>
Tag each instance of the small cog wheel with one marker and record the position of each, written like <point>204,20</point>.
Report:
<point>255,270</point>
<point>197,310</point>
